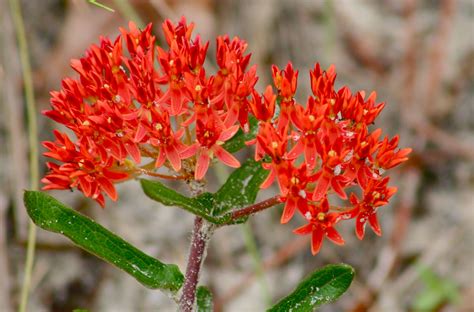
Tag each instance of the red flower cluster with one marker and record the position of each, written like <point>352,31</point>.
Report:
<point>136,100</point>
<point>123,108</point>
<point>324,148</point>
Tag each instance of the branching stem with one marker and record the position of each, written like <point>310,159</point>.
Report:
<point>159,175</point>
<point>247,211</point>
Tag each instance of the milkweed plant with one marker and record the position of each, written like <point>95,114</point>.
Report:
<point>141,111</point>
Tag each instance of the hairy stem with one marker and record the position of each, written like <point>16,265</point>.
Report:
<point>159,175</point>
<point>247,211</point>
<point>201,236</point>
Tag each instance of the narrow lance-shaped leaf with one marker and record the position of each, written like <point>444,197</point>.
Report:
<point>241,188</point>
<point>204,300</point>
<point>323,286</point>
<point>51,215</point>
<point>200,206</point>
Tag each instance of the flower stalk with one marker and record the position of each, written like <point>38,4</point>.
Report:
<point>252,209</point>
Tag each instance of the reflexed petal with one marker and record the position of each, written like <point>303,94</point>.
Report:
<point>333,235</point>
<point>374,224</point>
<point>176,103</point>
<point>133,150</point>
<point>228,133</point>
<point>226,157</point>
<point>141,132</point>
<point>85,187</point>
<point>269,180</point>
<point>360,226</point>
<point>317,240</point>
<point>114,175</point>
<point>173,157</point>
<point>189,151</point>
<point>101,200</point>
<point>160,160</point>
<point>321,189</point>
<point>310,155</point>
<point>288,211</point>
<point>202,164</point>
<point>362,174</point>
<point>108,188</point>
<point>297,150</point>
<point>338,188</point>
<point>303,230</point>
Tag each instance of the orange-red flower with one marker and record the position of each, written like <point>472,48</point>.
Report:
<point>293,181</point>
<point>324,148</point>
<point>134,102</point>
<point>86,167</point>
<point>376,194</point>
<point>210,136</point>
<point>321,224</point>
<point>286,81</point>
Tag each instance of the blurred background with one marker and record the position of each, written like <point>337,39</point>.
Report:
<point>417,55</point>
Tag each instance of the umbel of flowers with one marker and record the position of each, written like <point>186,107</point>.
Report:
<point>140,108</point>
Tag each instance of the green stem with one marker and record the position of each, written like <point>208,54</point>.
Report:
<point>102,6</point>
<point>17,17</point>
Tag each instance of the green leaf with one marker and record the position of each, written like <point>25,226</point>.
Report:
<point>241,188</point>
<point>51,215</point>
<point>237,142</point>
<point>323,286</point>
<point>201,206</point>
<point>204,299</point>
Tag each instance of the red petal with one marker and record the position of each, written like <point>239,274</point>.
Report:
<point>338,189</point>
<point>310,156</point>
<point>288,211</point>
<point>333,235</point>
<point>100,199</point>
<point>108,188</point>
<point>141,132</point>
<point>114,175</point>
<point>303,230</point>
<point>296,150</point>
<point>269,180</point>
<point>173,156</point>
<point>189,151</point>
<point>316,240</point>
<point>202,164</point>
<point>226,157</point>
<point>228,133</point>
<point>133,150</point>
<point>85,187</point>
<point>374,224</point>
<point>176,103</point>
<point>360,226</point>
<point>362,177</point>
<point>160,160</point>
<point>321,188</point>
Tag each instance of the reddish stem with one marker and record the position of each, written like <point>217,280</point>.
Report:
<point>159,175</point>
<point>196,257</point>
<point>256,207</point>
